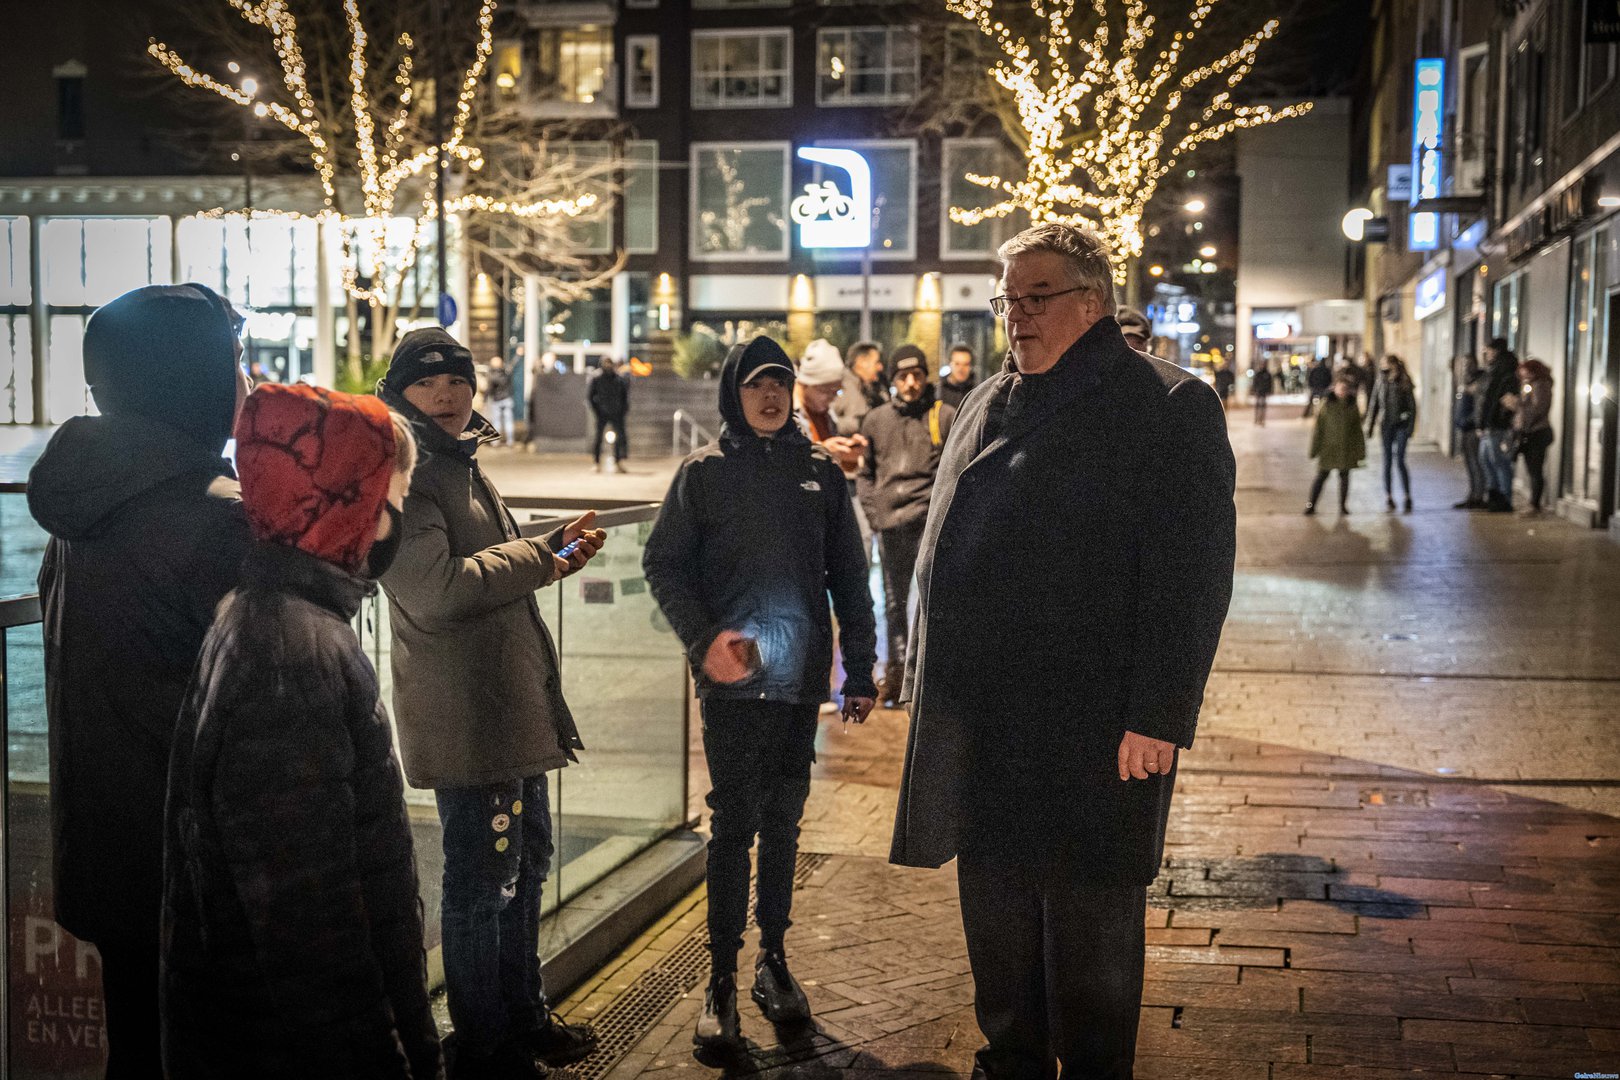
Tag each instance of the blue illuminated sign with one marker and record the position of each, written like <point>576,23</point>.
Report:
<point>1428,113</point>
<point>1430,296</point>
<point>827,217</point>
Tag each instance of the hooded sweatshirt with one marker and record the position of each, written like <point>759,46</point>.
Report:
<point>291,927</point>
<point>755,532</point>
<point>147,535</point>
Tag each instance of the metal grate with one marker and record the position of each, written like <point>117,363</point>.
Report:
<point>655,991</point>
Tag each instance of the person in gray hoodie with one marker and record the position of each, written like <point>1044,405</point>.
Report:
<point>478,700</point>
<point>147,536</point>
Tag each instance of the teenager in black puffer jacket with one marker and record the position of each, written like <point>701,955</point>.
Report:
<point>292,932</point>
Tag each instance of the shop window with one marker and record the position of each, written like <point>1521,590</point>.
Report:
<point>894,198</point>
<point>741,68</point>
<point>739,201</point>
<point>641,197</point>
<point>641,72</point>
<point>866,65</point>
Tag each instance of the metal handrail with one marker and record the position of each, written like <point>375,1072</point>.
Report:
<point>697,434</point>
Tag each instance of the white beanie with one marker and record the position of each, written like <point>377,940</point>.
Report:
<point>821,363</point>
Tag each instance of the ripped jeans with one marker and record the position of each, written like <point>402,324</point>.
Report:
<point>497,849</point>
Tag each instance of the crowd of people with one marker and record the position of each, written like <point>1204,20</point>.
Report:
<point>220,750</point>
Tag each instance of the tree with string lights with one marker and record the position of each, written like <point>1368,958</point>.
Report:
<point>372,149</point>
<point>1099,135</point>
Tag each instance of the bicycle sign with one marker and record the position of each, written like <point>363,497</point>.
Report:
<point>826,216</point>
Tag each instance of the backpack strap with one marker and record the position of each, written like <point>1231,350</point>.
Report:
<point>933,423</point>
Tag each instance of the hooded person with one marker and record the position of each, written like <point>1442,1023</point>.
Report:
<point>904,439</point>
<point>147,535</point>
<point>756,531</point>
<point>292,933</point>
<point>479,704</point>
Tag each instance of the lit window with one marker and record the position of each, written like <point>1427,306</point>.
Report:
<point>641,72</point>
<point>741,68</point>
<point>866,65</point>
<point>739,200</point>
<point>573,64</point>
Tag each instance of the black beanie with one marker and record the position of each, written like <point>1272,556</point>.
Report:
<point>908,352</point>
<point>424,353</point>
<point>166,353</point>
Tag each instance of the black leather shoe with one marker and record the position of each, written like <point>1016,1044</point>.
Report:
<point>777,992</point>
<point>511,1062</point>
<point>557,1043</point>
<point>717,1024</point>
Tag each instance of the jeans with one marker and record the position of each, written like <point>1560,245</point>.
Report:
<point>1057,966</point>
<point>759,755</point>
<point>497,849</point>
<point>1468,441</point>
<point>1498,466</point>
<point>500,414</point>
<point>898,548</point>
<point>1395,440</point>
<point>621,445</point>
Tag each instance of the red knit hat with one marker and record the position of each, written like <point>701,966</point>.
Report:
<point>315,466</point>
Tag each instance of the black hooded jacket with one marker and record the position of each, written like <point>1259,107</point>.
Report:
<point>754,534</point>
<point>147,535</point>
<point>1501,379</point>
<point>897,471</point>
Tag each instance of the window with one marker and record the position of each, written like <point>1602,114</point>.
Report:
<point>1527,106</point>
<point>641,197</point>
<point>739,3</point>
<point>16,328</point>
<point>573,64</point>
<point>741,68</point>
<point>592,231</point>
<point>1472,120</point>
<point>958,157</point>
<point>506,70</point>
<point>1587,68</point>
<point>894,198</point>
<point>641,72</point>
<point>739,201</point>
<point>866,65</point>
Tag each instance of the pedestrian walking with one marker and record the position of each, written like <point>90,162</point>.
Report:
<point>609,396</point>
<point>147,535</point>
<point>1337,442</point>
<point>1318,384</point>
<point>1225,380</point>
<point>498,392</point>
<point>482,719</point>
<point>1260,388</point>
<point>1470,381</point>
<point>1532,426</point>
<point>292,932</point>
<point>1497,444</point>
<point>756,531</point>
<point>1392,409</point>
<point>1051,681</point>
<point>904,440</point>
<point>959,383</point>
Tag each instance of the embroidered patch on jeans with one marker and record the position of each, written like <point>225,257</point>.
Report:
<point>500,823</point>
<point>502,844</point>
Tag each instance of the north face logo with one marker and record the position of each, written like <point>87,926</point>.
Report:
<point>811,485</point>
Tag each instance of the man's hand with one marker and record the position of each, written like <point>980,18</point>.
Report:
<point>857,709</point>
<point>847,449</point>
<point>1141,757</point>
<point>590,542</point>
<point>725,661</point>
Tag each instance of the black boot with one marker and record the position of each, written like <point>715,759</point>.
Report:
<point>557,1043</point>
<point>777,992</point>
<point>717,1024</point>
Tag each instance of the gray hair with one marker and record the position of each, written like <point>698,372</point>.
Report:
<point>1087,256</point>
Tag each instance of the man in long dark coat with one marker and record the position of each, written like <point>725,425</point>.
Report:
<point>1075,572</point>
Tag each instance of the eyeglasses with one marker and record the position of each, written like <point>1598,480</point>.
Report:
<point>1030,303</point>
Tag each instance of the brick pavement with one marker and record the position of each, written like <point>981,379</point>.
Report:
<point>1392,849</point>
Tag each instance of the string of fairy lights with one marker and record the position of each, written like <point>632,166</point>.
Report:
<point>1103,134</point>
<point>381,170</point>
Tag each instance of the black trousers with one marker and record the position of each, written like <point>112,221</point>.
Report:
<point>1534,448</point>
<point>1057,966</point>
<point>1260,408</point>
<point>1321,478</point>
<point>129,986</point>
<point>759,755</point>
<point>621,445</point>
<point>898,549</point>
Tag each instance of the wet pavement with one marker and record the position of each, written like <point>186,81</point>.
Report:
<point>1393,847</point>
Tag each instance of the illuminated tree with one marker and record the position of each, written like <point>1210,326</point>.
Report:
<point>372,149</point>
<point>1099,136</point>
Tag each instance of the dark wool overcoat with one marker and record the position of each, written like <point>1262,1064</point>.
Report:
<point>1075,573</point>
